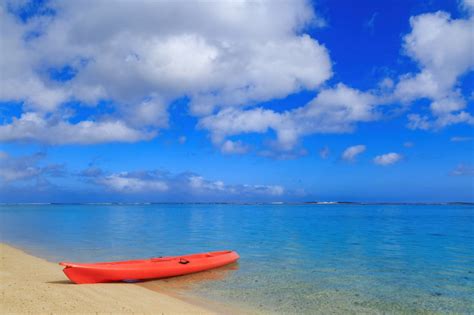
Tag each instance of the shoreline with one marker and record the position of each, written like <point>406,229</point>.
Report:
<point>29,284</point>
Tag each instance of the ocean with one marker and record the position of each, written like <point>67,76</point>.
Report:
<point>295,258</point>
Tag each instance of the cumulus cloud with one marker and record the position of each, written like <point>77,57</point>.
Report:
<point>155,181</point>
<point>200,184</point>
<point>386,84</point>
<point>212,53</point>
<point>31,172</point>
<point>468,5</point>
<point>224,57</point>
<point>33,127</point>
<point>219,54</point>
<point>27,167</point>
<point>352,152</point>
<point>338,109</point>
<point>333,110</point>
<point>442,47</point>
<point>19,80</point>
<point>233,147</point>
<point>230,122</point>
<point>387,159</point>
<point>128,183</point>
<point>416,121</point>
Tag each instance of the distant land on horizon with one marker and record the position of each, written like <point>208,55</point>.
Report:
<point>244,203</point>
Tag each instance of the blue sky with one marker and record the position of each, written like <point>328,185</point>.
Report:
<point>236,101</point>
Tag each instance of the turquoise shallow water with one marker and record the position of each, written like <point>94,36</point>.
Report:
<point>294,258</point>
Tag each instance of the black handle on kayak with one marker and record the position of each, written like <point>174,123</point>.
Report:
<point>183,261</point>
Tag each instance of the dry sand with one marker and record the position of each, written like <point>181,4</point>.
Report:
<point>32,285</point>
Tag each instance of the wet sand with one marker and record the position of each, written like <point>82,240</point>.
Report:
<point>32,285</point>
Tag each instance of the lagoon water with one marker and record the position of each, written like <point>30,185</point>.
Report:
<point>294,258</point>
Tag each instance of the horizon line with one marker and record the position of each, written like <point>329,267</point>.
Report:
<point>322,203</point>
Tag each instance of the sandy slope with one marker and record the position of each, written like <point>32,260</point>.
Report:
<point>32,285</point>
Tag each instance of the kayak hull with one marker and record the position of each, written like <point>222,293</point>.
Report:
<point>147,269</point>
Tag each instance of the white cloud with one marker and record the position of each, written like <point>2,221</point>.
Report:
<point>152,112</point>
<point>352,152</point>
<point>225,57</point>
<point>26,168</point>
<point>415,121</point>
<point>219,54</point>
<point>13,169</point>
<point>275,70</point>
<point>153,181</point>
<point>124,183</point>
<point>333,110</point>
<point>442,47</point>
<point>19,80</point>
<point>232,121</point>
<point>271,190</point>
<point>339,109</point>
<point>233,147</point>
<point>199,184</point>
<point>32,169</point>
<point>387,159</point>
<point>452,119</point>
<point>468,5</point>
<point>408,144</point>
<point>386,84</point>
<point>33,127</point>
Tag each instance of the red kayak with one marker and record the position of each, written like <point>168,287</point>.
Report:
<point>153,268</point>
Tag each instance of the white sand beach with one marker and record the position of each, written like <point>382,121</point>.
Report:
<point>32,285</point>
